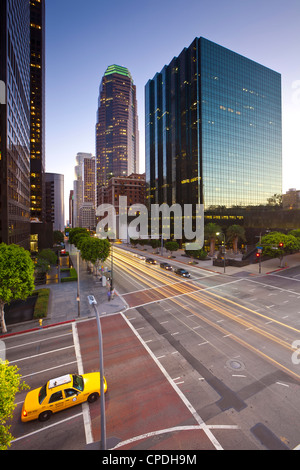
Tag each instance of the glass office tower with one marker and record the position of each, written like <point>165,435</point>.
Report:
<point>213,130</point>
<point>117,136</point>
<point>15,122</point>
<point>37,109</point>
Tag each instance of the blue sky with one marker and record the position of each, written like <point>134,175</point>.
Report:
<point>83,38</point>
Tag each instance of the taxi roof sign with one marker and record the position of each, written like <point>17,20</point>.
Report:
<point>65,379</point>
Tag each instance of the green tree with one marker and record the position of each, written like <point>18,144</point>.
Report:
<point>235,233</point>
<point>58,237</point>
<point>94,249</point>
<point>275,200</point>
<point>197,254</point>
<point>10,384</point>
<point>277,245</point>
<point>42,266</point>
<point>295,233</point>
<point>16,276</point>
<point>134,241</point>
<point>75,231</point>
<point>210,234</point>
<point>79,237</point>
<point>171,246</point>
<point>48,255</point>
<point>155,243</point>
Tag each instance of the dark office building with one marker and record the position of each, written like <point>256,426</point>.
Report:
<point>15,122</point>
<point>37,109</point>
<point>213,130</point>
<point>117,136</point>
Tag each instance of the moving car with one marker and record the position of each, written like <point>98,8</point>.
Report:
<point>182,272</point>
<point>151,261</point>
<point>166,266</point>
<point>61,393</point>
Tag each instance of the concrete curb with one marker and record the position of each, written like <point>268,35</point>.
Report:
<point>30,330</point>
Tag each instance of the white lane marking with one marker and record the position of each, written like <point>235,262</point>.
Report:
<point>45,428</point>
<point>38,341</point>
<point>189,406</point>
<point>168,430</point>
<point>47,370</point>
<point>85,407</point>
<point>284,385</point>
<point>42,354</point>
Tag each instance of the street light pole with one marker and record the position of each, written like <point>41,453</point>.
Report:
<point>221,233</point>
<point>93,302</point>
<point>78,292</point>
<point>112,267</point>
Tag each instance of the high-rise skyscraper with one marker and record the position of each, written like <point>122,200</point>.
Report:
<point>84,191</point>
<point>213,130</point>
<point>37,109</point>
<point>54,200</point>
<point>117,136</point>
<point>15,122</point>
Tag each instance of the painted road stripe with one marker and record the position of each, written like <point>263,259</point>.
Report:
<point>85,407</point>
<point>168,430</point>
<point>189,406</point>
<point>45,428</point>
<point>42,354</point>
<point>38,341</point>
<point>47,370</point>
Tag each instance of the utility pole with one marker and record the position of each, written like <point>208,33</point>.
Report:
<point>93,302</point>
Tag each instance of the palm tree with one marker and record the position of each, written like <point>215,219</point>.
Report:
<point>210,234</point>
<point>235,233</point>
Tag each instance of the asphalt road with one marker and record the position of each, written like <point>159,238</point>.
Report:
<point>42,355</point>
<point>227,342</point>
<point>199,363</point>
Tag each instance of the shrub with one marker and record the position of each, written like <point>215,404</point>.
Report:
<point>72,277</point>
<point>41,305</point>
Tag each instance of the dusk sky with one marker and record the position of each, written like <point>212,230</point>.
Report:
<point>83,38</point>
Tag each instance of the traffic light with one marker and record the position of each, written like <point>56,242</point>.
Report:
<point>258,255</point>
<point>281,245</point>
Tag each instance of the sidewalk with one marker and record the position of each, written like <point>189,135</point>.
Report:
<point>267,267</point>
<point>63,306</point>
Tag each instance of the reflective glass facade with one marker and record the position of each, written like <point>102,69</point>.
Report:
<point>15,122</point>
<point>213,130</point>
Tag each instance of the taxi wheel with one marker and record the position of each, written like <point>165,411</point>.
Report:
<point>45,416</point>
<point>93,397</point>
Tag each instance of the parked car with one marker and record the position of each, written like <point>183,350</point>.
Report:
<point>166,266</point>
<point>182,272</point>
<point>151,261</point>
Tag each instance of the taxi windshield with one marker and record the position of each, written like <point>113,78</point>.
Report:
<point>78,382</point>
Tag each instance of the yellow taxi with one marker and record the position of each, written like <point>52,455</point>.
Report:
<point>61,393</point>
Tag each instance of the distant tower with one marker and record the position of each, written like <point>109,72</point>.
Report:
<point>55,210</point>
<point>117,136</point>
<point>84,191</point>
